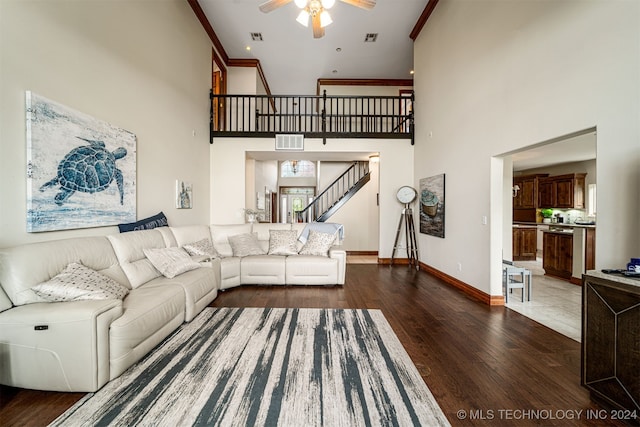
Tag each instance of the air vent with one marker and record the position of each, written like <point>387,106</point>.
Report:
<point>256,37</point>
<point>290,142</point>
<point>370,37</point>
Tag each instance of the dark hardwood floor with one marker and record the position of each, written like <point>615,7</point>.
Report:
<point>486,366</point>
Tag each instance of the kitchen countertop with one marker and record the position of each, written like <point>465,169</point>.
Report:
<point>561,224</point>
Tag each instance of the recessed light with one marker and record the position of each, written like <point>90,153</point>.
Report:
<point>411,72</point>
<point>338,49</point>
<point>335,71</point>
<point>248,48</point>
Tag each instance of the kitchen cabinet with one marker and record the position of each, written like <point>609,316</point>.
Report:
<point>610,346</point>
<point>525,243</point>
<point>562,191</point>
<point>527,196</point>
<point>557,254</point>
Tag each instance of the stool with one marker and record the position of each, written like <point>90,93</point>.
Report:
<point>509,271</point>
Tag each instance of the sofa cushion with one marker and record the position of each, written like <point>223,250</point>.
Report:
<point>170,261</point>
<point>318,244</point>
<point>283,242</point>
<point>150,314</point>
<point>220,235</point>
<point>77,282</point>
<point>245,244</point>
<point>158,220</point>
<point>129,248</point>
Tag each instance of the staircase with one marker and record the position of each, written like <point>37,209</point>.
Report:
<point>336,194</point>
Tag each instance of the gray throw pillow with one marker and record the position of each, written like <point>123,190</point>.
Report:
<point>245,244</point>
<point>318,244</point>
<point>202,247</point>
<point>170,261</point>
<point>77,282</point>
<point>283,242</point>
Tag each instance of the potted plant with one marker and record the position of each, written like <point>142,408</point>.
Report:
<point>546,215</point>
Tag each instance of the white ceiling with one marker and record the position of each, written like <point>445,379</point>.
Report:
<point>292,60</point>
<point>575,148</point>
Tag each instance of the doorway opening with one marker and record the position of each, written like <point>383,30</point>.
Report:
<point>555,300</point>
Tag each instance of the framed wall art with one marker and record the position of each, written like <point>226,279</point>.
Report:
<point>432,205</point>
<point>81,171</point>
<point>184,195</point>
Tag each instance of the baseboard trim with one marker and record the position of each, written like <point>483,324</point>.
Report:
<point>362,252</point>
<point>576,281</point>
<point>464,287</point>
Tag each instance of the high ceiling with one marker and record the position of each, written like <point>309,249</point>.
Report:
<point>292,60</point>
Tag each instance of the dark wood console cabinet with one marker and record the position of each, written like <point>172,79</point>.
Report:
<point>611,339</point>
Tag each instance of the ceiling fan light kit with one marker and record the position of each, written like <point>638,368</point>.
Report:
<point>317,10</point>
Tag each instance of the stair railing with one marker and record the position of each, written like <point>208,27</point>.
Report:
<point>339,190</point>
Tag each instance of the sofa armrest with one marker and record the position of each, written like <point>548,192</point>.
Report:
<point>336,252</point>
<point>57,346</point>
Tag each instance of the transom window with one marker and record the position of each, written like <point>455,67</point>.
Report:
<point>297,169</point>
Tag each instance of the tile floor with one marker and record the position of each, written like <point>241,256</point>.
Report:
<point>555,303</point>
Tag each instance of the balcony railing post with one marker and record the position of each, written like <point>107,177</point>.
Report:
<point>324,117</point>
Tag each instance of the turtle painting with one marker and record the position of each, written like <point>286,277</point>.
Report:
<point>89,169</point>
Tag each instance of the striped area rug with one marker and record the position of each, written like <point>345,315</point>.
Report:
<point>268,367</point>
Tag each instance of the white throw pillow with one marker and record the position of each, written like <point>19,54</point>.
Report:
<point>202,247</point>
<point>170,261</point>
<point>77,282</point>
<point>283,242</point>
<point>318,243</point>
<point>245,244</point>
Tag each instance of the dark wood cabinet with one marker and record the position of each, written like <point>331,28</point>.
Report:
<point>562,191</point>
<point>611,339</point>
<point>557,254</point>
<point>524,243</point>
<point>527,196</point>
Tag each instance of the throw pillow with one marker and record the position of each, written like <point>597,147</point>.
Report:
<point>318,243</point>
<point>283,242</point>
<point>202,247</point>
<point>159,220</point>
<point>245,244</point>
<point>77,282</point>
<point>170,261</point>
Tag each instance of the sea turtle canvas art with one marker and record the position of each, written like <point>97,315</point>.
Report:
<point>81,171</point>
<point>88,168</point>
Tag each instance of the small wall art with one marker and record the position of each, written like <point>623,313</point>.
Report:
<point>184,195</point>
<point>81,171</point>
<point>432,205</point>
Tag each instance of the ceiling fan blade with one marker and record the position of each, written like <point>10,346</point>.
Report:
<point>318,31</point>
<point>363,4</point>
<point>270,5</point>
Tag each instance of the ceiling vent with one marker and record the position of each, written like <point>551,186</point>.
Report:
<point>370,37</point>
<point>290,142</point>
<point>256,37</point>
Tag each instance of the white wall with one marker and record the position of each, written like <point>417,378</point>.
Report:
<point>492,77</point>
<point>228,177</point>
<point>139,65</point>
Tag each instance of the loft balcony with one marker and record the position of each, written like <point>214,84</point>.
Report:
<point>314,116</point>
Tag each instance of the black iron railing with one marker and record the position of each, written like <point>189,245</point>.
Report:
<point>313,116</point>
<point>336,194</point>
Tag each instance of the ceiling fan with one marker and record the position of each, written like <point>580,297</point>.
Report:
<point>317,10</point>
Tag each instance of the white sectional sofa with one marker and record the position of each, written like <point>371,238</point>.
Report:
<point>81,345</point>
